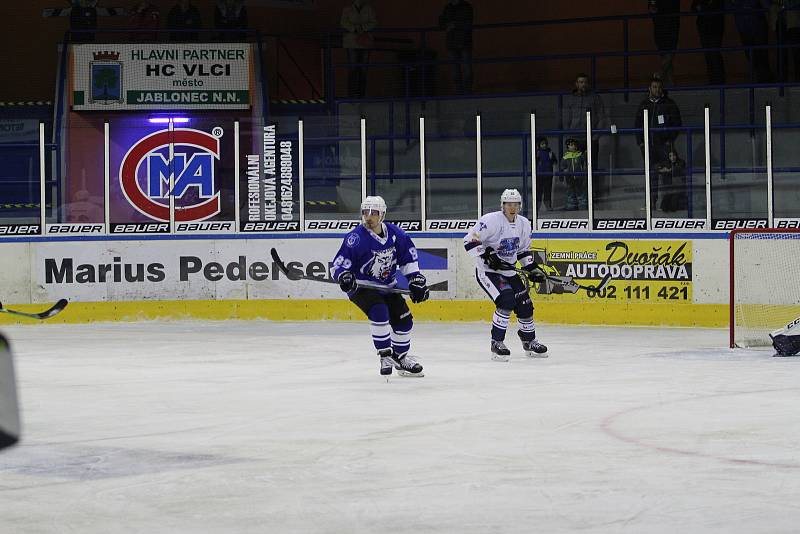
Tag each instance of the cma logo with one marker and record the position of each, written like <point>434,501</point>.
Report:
<point>191,167</point>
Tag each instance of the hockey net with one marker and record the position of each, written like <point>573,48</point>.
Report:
<point>764,284</point>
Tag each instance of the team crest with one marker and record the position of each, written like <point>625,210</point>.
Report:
<point>105,79</point>
<point>352,240</point>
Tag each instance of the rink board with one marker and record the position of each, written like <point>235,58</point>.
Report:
<point>680,282</point>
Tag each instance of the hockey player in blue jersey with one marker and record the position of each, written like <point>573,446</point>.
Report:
<point>373,252</point>
<point>497,241</point>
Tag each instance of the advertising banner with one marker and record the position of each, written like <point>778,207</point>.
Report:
<point>199,160</point>
<point>269,181</point>
<point>205,269</point>
<point>641,270</point>
<point>161,76</point>
<point>19,131</point>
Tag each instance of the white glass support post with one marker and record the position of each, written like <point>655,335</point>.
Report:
<point>171,176</point>
<point>479,163</point>
<point>363,158</point>
<point>707,127</point>
<point>589,184</point>
<point>534,184</point>
<point>648,206</point>
<point>236,170</point>
<point>422,191</point>
<point>770,183</point>
<point>107,175</point>
<point>301,174</point>
<point>42,178</point>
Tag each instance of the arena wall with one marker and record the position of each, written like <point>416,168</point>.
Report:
<point>657,279</point>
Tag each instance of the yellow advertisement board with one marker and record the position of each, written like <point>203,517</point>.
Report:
<point>645,271</point>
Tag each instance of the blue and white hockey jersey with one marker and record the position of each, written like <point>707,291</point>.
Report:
<point>374,258</point>
<point>511,240</point>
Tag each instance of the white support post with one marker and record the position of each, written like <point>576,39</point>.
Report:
<point>301,170</point>
<point>422,191</point>
<point>171,177</point>
<point>363,158</point>
<point>479,163</point>
<point>707,123</point>
<point>107,175</point>
<point>42,178</point>
<point>648,206</point>
<point>589,164</point>
<point>236,169</point>
<point>534,184</point>
<point>770,183</point>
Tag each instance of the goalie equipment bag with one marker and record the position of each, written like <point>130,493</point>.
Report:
<point>9,412</point>
<point>787,340</point>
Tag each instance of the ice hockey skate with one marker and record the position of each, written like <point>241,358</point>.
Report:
<point>532,348</point>
<point>406,365</point>
<point>387,363</point>
<point>500,352</point>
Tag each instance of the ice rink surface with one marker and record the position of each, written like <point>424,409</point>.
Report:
<point>268,427</point>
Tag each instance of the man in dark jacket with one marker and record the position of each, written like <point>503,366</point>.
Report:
<point>230,15</point>
<point>83,19</point>
<point>711,27</point>
<point>576,104</point>
<point>666,27</point>
<point>751,22</point>
<point>663,113</point>
<point>184,16</point>
<point>456,20</point>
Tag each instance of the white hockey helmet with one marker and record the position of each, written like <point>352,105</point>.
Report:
<point>510,195</point>
<point>374,204</point>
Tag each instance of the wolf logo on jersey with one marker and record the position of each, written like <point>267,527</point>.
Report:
<point>381,265</point>
<point>509,247</point>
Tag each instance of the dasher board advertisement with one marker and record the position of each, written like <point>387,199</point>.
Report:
<point>654,271</point>
<point>161,77</point>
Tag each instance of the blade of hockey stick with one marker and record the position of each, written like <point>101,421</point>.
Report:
<point>567,281</point>
<point>299,275</point>
<point>51,311</point>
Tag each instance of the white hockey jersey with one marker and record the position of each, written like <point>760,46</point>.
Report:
<point>511,240</point>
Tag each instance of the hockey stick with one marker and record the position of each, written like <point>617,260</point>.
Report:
<point>568,282</point>
<point>9,408</point>
<point>300,275</point>
<point>55,309</point>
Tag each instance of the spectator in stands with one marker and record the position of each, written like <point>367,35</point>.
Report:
<point>573,168</point>
<point>83,20</point>
<point>145,16</point>
<point>672,174</point>
<point>666,27</point>
<point>711,27</point>
<point>785,18</point>
<point>358,19</point>
<point>230,15</point>
<point>546,164</point>
<point>576,104</point>
<point>456,20</point>
<point>662,113</point>
<point>751,22</point>
<point>184,16</point>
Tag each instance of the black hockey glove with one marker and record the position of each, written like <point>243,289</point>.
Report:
<point>418,286</point>
<point>347,281</point>
<point>493,261</point>
<point>535,273</point>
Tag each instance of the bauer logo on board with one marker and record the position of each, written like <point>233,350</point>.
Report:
<point>147,168</point>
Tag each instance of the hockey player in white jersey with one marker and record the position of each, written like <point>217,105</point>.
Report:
<point>498,240</point>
